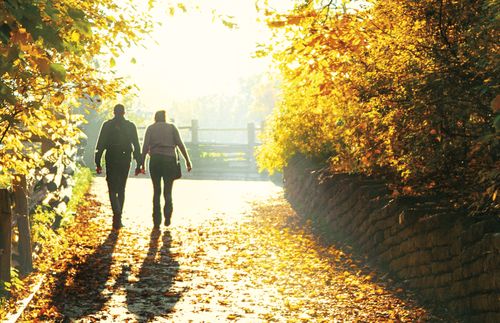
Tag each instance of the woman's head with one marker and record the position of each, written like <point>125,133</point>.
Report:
<point>160,116</point>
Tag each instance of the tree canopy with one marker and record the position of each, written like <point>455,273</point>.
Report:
<point>396,88</point>
<point>53,53</point>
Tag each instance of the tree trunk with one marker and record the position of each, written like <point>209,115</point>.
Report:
<point>23,224</point>
<point>5,235</point>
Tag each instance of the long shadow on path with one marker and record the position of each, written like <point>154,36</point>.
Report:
<point>79,288</point>
<point>153,295</point>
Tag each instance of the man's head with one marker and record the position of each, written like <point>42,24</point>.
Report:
<point>160,116</point>
<point>119,110</point>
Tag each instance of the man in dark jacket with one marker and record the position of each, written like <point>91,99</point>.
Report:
<point>118,137</point>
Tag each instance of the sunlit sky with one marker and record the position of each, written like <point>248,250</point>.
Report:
<point>193,55</point>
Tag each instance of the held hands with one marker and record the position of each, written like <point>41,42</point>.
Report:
<point>140,170</point>
<point>98,170</point>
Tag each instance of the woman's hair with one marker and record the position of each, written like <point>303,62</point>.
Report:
<point>160,116</point>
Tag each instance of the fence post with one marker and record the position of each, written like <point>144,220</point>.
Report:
<point>251,134</point>
<point>194,132</point>
<point>23,224</point>
<point>194,154</point>
<point>5,235</point>
<point>251,143</point>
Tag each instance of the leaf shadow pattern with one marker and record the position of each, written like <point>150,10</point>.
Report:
<point>153,295</point>
<point>79,289</point>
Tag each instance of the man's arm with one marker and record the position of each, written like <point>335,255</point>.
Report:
<point>101,145</point>
<point>145,146</point>
<point>135,143</point>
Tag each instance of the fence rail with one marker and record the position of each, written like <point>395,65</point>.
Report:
<point>218,159</point>
<point>16,205</point>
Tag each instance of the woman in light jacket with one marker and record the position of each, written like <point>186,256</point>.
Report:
<point>160,143</point>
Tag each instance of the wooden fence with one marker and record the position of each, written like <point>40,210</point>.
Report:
<point>16,205</point>
<point>232,157</point>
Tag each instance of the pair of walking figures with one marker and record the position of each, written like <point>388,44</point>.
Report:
<point>119,140</point>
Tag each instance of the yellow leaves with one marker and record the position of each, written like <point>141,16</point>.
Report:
<point>75,36</point>
<point>22,38</point>
<point>58,46</point>
<point>58,98</point>
<point>43,65</point>
<point>181,6</point>
<point>276,23</point>
<point>495,104</point>
<point>112,62</point>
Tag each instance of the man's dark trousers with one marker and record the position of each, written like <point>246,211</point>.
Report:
<point>117,169</point>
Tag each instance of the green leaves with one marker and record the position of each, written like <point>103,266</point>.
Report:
<point>5,33</point>
<point>7,94</point>
<point>76,14</point>
<point>57,72</point>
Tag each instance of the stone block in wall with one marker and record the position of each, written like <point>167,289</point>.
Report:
<point>418,258</point>
<point>427,292</point>
<point>436,238</point>
<point>335,193</point>
<point>482,283</point>
<point>476,250</point>
<point>477,230</point>
<point>423,270</point>
<point>411,216</point>
<point>485,317</point>
<point>384,257</point>
<point>457,272</point>
<point>495,278</point>
<point>339,210</point>
<point>492,262</point>
<point>456,247</point>
<point>408,246</point>
<point>457,289</point>
<point>472,268</point>
<point>485,302</point>
<point>441,253</point>
<point>460,306</point>
<point>487,263</point>
<point>439,267</point>
<point>495,240</point>
<point>397,264</point>
<point>442,293</point>
<point>444,279</point>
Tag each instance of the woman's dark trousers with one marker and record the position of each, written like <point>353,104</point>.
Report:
<point>161,169</point>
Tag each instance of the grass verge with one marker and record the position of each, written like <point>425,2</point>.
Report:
<point>48,243</point>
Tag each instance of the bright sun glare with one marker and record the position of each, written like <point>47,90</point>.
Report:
<point>192,54</point>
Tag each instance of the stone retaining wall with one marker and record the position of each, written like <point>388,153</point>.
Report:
<point>444,255</point>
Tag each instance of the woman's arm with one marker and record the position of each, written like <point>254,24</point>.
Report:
<point>184,153</point>
<point>145,146</point>
<point>182,148</point>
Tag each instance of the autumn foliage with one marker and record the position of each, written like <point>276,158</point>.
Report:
<point>53,55</point>
<point>397,88</point>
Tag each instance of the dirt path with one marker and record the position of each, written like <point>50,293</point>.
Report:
<point>234,251</point>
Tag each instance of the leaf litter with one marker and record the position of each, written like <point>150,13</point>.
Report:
<point>267,267</point>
